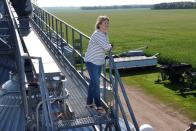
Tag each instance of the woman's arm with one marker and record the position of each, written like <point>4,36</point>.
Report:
<point>102,41</point>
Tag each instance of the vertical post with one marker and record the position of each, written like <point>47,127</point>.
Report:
<point>42,19</point>
<point>81,52</point>
<point>57,32</point>
<point>125,97</point>
<point>42,26</point>
<point>116,93</point>
<point>23,89</point>
<point>49,22</point>
<point>52,27</point>
<point>46,20</point>
<point>39,17</point>
<point>45,96</point>
<point>66,27</point>
<point>73,37</point>
<point>104,82</point>
<point>61,33</point>
<point>115,88</point>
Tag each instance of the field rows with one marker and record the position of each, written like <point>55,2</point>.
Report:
<point>172,33</point>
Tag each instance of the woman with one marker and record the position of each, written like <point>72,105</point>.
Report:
<point>95,58</point>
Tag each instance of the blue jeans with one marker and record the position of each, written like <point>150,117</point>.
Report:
<point>94,86</point>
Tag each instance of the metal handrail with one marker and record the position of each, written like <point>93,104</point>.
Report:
<point>60,37</point>
<point>114,83</point>
<point>64,22</point>
<point>45,98</point>
<point>56,33</point>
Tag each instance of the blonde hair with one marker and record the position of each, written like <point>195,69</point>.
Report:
<point>100,19</point>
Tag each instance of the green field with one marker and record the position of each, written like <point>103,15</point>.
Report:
<point>165,92</point>
<point>172,33</point>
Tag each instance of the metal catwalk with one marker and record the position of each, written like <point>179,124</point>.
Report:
<point>47,89</point>
<point>65,44</point>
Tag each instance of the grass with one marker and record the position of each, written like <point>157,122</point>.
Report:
<point>170,32</point>
<point>167,92</point>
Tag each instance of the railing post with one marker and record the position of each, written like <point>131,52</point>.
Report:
<point>104,82</point>
<point>52,27</point>
<point>57,32</point>
<point>67,39</point>
<point>61,34</point>
<point>42,17</point>
<point>39,14</point>
<point>23,88</point>
<point>46,19</point>
<point>81,52</point>
<point>49,26</point>
<point>124,94</point>
<point>73,41</point>
<point>116,93</point>
<point>45,96</point>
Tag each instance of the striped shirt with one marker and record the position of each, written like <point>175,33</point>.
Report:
<point>98,46</point>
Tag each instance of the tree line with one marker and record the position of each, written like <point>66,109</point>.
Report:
<point>175,5</point>
<point>116,7</point>
<point>172,5</point>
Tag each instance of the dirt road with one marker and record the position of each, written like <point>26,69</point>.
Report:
<point>161,117</point>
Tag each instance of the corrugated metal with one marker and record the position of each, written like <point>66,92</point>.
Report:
<point>11,112</point>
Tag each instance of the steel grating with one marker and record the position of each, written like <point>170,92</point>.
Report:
<point>83,116</point>
<point>77,101</point>
<point>82,129</point>
<point>84,122</point>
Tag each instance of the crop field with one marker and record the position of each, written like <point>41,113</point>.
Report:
<point>172,33</point>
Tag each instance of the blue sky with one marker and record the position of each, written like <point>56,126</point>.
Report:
<point>78,3</point>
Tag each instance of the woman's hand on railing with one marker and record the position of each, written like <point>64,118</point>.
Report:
<point>112,45</point>
<point>107,57</point>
